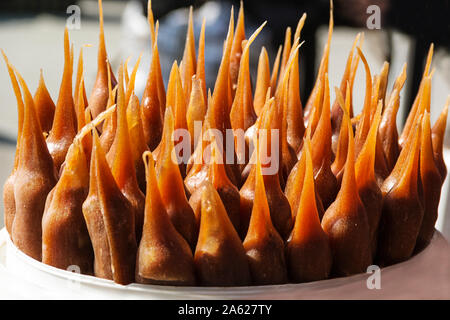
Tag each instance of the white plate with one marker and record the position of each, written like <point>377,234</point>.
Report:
<point>424,276</point>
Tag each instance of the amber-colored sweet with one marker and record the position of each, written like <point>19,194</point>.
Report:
<point>237,50</point>
<point>366,182</point>
<point>220,258</point>
<point>99,94</point>
<point>171,186</point>
<point>78,88</point>
<point>110,221</point>
<point>196,110</point>
<point>64,128</point>
<point>324,178</point>
<point>262,81</point>
<point>45,108</point>
<point>188,66</point>
<point>152,105</point>
<point>308,251</point>
<point>263,245</point>
<point>110,124</point>
<point>430,184</point>
<point>164,256</point>
<point>35,176</point>
<point>9,203</point>
<point>414,112</point>
<point>275,69</point>
<point>138,147</point>
<point>279,207</point>
<point>227,191</point>
<point>437,138</point>
<point>402,212</point>
<point>65,238</point>
<point>348,79</point>
<point>121,161</point>
<point>323,68</point>
<point>346,223</point>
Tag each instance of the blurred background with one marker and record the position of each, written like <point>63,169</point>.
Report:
<point>31,33</point>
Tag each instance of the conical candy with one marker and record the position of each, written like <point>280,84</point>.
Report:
<point>414,112</point>
<point>188,66</point>
<point>262,81</point>
<point>45,108</point>
<point>280,210</point>
<point>324,178</point>
<point>437,138</point>
<point>65,238</point>
<point>151,105</point>
<point>220,258</point>
<point>164,256</point>
<point>171,185</point>
<point>308,250</point>
<point>323,68</point>
<point>110,221</point>
<point>347,80</point>
<point>402,212</point>
<point>121,161</point>
<point>237,50</point>
<point>63,129</point>
<point>196,110</point>
<point>8,188</point>
<point>366,182</point>
<point>227,191</point>
<point>34,178</point>
<point>99,94</point>
<point>139,146</point>
<point>430,184</point>
<point>346,223</point>
<point>263,245</point>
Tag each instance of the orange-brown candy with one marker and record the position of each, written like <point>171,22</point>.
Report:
<point>109,126</point>
<point>237,50</point>
<point>200,72</point>
<point>263,245</point>
<point>65,238</point>
<point>323,68</point>
<point>437,138</point>
<point>63,129</point>
<point>138,147</point>
<point>121,161</point>
<point>430,184</point>
<point>347,80</point>
<point>45,108</point>
<point>275,69</point>
<point>402,211</point>
<point>35,176</point>
<point>294,186</point>
<point>99,94</point>
<point>280,210</point>
<point>294,112</point>
<point>110,221</point>
<point>415,112</point>
<point>346,223</point>
<point>164,256</point>
<point>171,186</point>
<point>188,66</point>
<point>366,183</point>
<point>220,258</point>
<point>337,167</point>
<point>9,203</point>
<point>196,110</point>
<point>227,191</point>
<point>308,251</point>
<point>78,86</point>
<point>152,104</point>
<point>262,81</point>
<point>324,178</point>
